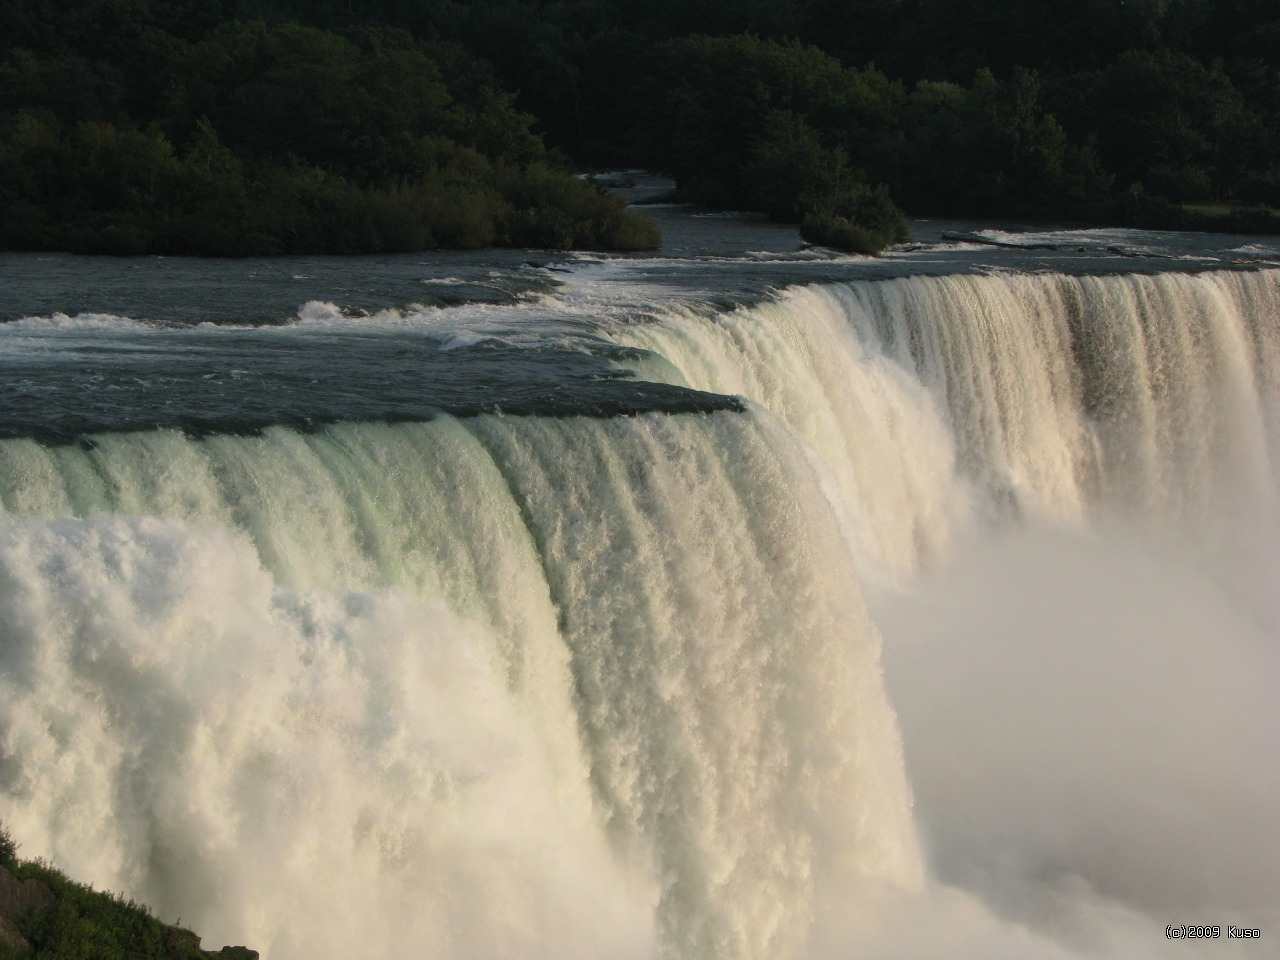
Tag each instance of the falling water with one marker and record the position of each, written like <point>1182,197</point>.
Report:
<point>602,687</point>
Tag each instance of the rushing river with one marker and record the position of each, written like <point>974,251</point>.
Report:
<point>738,602</point>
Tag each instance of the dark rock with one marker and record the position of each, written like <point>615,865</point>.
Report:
<point>10,937</point>
<point>181,942</point>
<point>236,953</point>
<point>19,896</point>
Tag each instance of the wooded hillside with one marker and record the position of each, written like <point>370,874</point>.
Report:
<point>236,126</point>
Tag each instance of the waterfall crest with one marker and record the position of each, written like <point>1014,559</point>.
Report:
<point>561,669</point>
<point>925,399</point>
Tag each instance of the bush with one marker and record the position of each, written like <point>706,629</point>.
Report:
<point>8,848</point>
<point>626,230</point>
<point>859,219</point>
<point>549,210</point>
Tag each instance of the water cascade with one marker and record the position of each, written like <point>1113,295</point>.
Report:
<point>926,398</point>
<point>608,687</point>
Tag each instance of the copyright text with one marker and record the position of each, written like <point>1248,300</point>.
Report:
<point>1184,932</point>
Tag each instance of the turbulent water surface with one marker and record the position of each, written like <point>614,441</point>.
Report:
<point>739,602</point>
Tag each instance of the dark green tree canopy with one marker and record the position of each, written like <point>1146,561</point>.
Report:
<point>266,125</point>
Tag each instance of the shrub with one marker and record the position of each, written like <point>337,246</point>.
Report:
<point>8,848</point>
<point>86,924</point>
<point>549,210</point>
<point>626,230</point>
<point>858,218</point>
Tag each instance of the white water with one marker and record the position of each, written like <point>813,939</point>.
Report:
<point>1063,496</point>
<point>1047,396</point>
<point>311,692</point>
<point>598,689</point>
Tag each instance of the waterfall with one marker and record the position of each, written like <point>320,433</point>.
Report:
<point>502,684</point>
<point>609,687</point>
<point>924,399</point>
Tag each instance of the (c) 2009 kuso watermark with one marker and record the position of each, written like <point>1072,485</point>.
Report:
<point>1182,931</point>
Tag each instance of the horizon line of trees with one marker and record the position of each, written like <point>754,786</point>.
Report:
<point>272,125</point>
<point>261,138</point>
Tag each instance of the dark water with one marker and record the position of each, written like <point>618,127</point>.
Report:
<point>241,383</point>
<point>107,344</point>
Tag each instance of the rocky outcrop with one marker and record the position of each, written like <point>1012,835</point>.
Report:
<point>9,935</point>
<point>17,898</point>
<point>181,944</point>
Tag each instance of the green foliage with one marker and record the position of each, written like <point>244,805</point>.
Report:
<point>85,924</point>
<point>355,106</point>
<point>788,170</point>
<point>1261,186</point>
<point>857,218</point>
<point>275,137</point>
<point>990,147</point>
<point>93,188</point>
<point>8,847</point>
<point>389,123</point>
<point>1137,208</point>
<point>770,126</point>
<point>727,111</point>
<point>979,106</point>
<point>1167,122</point>
<point>546,210</point>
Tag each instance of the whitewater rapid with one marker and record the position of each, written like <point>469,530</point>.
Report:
<point>606,687</point>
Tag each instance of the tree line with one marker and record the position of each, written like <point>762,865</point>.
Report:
<point>261,137</point>
<point>271,125</point>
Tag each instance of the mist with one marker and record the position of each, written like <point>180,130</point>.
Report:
<point>1092,733</point>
